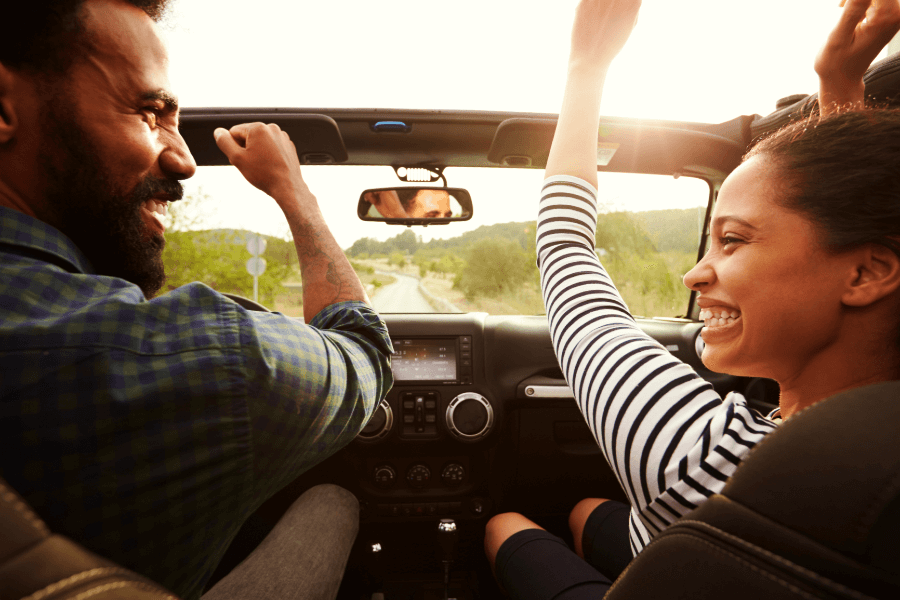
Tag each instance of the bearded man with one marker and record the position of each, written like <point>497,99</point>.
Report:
<point>149,428</point>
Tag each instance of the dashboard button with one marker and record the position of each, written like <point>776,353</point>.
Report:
<point>418,476</point>
<point>453,475</point>
<point>384,476</point>
<point>477,507</point>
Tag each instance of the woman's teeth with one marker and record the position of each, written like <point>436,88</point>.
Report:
<point>717,317</point>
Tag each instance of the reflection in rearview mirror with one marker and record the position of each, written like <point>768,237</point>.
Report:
<point>415,206</point>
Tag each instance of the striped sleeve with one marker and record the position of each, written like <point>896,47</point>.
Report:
<point>666,433</point>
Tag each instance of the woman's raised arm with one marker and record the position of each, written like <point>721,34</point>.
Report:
<point>600,31</point>
<point>865,27</point>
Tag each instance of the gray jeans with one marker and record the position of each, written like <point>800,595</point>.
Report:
<point>303,557</point>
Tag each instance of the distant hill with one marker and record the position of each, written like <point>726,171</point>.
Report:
<point>671,229</point>
<point>276,248</point>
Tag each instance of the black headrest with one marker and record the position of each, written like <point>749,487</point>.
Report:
<point>882,81</point>
<point>832,473</point>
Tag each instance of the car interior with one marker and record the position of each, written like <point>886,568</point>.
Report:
<point>496,429</point>
<point>484,421</point>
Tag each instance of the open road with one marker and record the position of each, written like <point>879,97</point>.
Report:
<point>402,296</point>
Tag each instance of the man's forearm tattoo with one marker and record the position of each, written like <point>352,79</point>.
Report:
<point>309,245</point>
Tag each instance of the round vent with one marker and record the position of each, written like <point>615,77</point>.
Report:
<point>469,417</point>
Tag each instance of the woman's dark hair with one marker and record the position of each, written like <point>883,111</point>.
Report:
<point>843,173</point>
<point>47,36</point>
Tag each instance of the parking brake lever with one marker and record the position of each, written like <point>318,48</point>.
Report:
<point>447,539</point>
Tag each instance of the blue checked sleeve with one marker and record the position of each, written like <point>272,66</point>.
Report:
<point>311,387</point>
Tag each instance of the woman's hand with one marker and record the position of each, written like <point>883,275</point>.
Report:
<point>865,27</point>
<point>600,31</point>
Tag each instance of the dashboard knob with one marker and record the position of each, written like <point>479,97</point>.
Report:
<point>379,425</point>
<point>418,476</point>
<point>469,417</point>
<point>453,475</point>
<point>385,476</point>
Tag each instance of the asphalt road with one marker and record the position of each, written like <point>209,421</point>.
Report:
<point>402,296</point>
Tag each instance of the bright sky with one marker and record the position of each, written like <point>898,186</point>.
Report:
<point>694,60</point>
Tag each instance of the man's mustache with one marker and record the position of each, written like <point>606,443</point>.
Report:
<point>153,187</point>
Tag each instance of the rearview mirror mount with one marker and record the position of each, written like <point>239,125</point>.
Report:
<point>415,205</point>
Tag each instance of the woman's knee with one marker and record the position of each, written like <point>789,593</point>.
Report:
<point>500,528</point>
<point>578,518</point>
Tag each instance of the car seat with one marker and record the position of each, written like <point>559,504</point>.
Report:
<point>812,512</point>
<point>39,564</point>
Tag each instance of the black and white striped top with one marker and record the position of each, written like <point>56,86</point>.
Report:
<point>669,437</point>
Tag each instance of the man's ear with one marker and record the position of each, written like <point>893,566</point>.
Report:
<point>9,119</point>
<point>877,275</point>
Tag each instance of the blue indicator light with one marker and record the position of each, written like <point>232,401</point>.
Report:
<point>392,126</point>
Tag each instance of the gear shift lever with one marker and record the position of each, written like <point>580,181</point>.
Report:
<point>447,538</point>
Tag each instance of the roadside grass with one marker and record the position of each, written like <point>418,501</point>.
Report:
<point>524,301</point>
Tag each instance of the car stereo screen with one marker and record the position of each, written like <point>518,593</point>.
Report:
<point>424,360</point>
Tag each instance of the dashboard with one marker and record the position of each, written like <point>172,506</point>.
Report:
<point>480,417</point>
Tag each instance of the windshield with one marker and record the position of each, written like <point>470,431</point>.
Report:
<point>685,61</point>
<point>647,237</point>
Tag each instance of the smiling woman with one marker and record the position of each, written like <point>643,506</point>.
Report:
<point>799,285</point>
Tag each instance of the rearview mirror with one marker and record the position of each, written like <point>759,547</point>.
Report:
<point>415,205</point>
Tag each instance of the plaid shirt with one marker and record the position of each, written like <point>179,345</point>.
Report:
<point>148,431</point>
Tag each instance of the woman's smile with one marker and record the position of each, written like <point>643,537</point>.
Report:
<point>768,296</point>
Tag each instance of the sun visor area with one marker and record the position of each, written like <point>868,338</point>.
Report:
<point>317,137</point>
<point>622,147</point>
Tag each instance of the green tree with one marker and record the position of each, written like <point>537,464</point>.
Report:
<point>398,259</point>
<point>364,246</point>
<point>218,257</point>
<point>492,268</point>
<point>623,233</point>
<point>406,242</point>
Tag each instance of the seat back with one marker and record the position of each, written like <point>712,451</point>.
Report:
<point>812,512</point>
<point>36,563</point>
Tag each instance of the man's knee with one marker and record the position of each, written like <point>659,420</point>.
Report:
<point>335,496</point>
<point>578,518</point>
<point>327,505</point>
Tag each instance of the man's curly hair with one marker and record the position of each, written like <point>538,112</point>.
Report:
<point>47,36</point>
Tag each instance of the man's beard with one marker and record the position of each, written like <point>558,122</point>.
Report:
<point>105,223</point>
